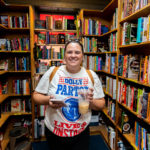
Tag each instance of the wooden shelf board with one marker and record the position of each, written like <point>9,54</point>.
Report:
<point>50,44</point>
<point>107,93</point>
<point>105,112</point>
<point>135,45</point>
<point>140,13</point>
<point>3,118</point>
<point>135,113</point>
<point>46,30</point>
<point>14,51</point>
<point>3,97</point>
<point>97,71</point>
<point>3,72</point>
<point>134,81</point>
<point>99,53</point>
<point>2,27</point>
<point>102,35</point>
<point>129,137</point>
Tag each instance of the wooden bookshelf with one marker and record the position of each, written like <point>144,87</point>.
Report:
<point>139,13</point>
<point>15,51</point>
<point>50,44</point>
<point>3,97</point>
<point>102,71</point>
<point>4,118</point>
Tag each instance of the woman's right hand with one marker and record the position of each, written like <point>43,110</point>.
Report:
<point>55,106</point>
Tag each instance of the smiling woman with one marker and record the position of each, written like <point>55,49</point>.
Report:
<point>67,121</point>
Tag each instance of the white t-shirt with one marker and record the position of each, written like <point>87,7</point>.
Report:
<point>67,121</point>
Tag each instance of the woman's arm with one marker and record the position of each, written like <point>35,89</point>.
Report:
<point>97,104</point>
<point>41,99</point>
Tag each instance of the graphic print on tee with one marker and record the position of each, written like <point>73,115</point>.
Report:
<point>69,87</point>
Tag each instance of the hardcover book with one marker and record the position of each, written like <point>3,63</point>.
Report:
<point>40,24</point>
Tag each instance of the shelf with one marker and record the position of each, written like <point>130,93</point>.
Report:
<point>108,33</point>
<point>129,137</point>
<point>3,72</point>
<point>140,13</point>
<point>2,27</point>
<point>14,51</point>
<point>102,35</point>
<point>45,30</point>
<point>134,81</point>
<point>107,93</point>
<point>99,53</point>
<point>3,118</point>
<point>50,44</point>
<point>101,71</point>
<point>105,112</point>
<point>136,45</point>
<point>3,97</point>
<point>134,113</point>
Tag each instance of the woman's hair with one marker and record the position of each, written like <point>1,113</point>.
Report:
<point>74,41</point>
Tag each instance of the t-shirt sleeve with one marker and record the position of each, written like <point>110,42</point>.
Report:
<point>43,84</point>
<point>98,90</point>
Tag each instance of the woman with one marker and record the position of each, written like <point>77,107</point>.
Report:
<point>66,128</point>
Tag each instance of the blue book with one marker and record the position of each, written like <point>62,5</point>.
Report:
<point>139,29</point>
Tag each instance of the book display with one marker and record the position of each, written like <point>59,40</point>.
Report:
<point>116,43</point>
<point>50,35</point>
<point>15,66</point>
<point>116,48</point>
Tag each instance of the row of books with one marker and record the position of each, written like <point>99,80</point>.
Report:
<point>134,67</point>
<point>94,62</point>
<point>110,86</point>
<point>43,65</point>
<point>19,44</point>
<point>92,27</point>
<point>55,23</point>
<point>111,109</point>
<point>115,20</point>
<point>21,86</point>
<point>131,6</point>
<point>110,64</point>
<point>136,99</point>
<point>89,44</point>
<point>47,52</point>
<point>39,128</point>
<point>47,38</point>
<point>142,137</point>
<point>3,87</point>
<point>112,42</point>
<point>15,64</point>
<point>16,105</point>
<point>136,32</point>
<point>15,21</point>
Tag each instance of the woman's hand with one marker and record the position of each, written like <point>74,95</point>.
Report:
<point>90,95</point>
<point>55,106</point>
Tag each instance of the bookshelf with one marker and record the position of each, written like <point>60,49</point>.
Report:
<point>107,77</point>
<point>48,51</point>
<point>15,63</point>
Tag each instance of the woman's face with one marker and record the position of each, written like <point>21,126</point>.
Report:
<point>73,55</point>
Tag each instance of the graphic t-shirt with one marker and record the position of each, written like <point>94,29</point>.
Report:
<point>67,121</point>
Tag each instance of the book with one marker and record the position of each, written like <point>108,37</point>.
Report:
<point>61,38</point>
<point>71,24</point>
<point>134,67</point>
<point>58,24</point>
<point>16,105</point>
<point>40,24</point>
<point>41,38</point>
<point>4,20</point>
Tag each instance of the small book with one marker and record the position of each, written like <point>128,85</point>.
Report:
<point>40,24</point>
<point>70,24</point>
<point>4,20</point>
<point>58,24</point>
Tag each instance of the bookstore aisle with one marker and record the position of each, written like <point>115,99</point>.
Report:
<point>116,44</point>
